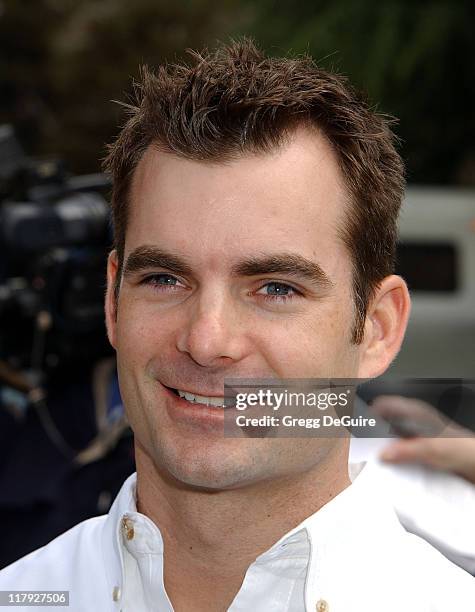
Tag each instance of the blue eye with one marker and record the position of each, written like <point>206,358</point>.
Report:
<point>278,289</point>
<point>160,281</point>
<point>278,292</point>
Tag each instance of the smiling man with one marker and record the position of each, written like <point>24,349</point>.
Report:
<point>255,203</point>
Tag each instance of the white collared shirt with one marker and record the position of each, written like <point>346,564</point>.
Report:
<point>353,555</point>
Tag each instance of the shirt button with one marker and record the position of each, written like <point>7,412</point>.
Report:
<point>128,528</point>
<point>116,593</point>
<point>322,606</point>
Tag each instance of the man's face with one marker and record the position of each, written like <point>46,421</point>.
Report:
<point>249,279</point>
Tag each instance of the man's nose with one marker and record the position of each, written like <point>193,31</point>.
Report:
<point>212,333</point>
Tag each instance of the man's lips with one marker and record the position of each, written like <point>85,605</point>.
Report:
<point>191,414</point>
<point>202,393</point>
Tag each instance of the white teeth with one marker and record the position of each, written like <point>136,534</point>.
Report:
<point>217,402</point>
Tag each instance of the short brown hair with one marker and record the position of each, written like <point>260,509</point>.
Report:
<point>235,100</point>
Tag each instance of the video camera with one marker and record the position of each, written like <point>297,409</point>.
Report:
<point>54,238</point>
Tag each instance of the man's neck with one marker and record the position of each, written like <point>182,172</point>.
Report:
<point>211,537</point>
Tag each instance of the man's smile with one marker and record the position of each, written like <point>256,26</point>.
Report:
<point>206,400</point>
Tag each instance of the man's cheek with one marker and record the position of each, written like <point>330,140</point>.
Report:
<point>133,335</point>
<point>292,356</point>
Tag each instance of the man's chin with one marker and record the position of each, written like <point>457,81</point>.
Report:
<point>210,469</point>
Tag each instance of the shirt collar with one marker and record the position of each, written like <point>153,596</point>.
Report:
<point>332,537</point>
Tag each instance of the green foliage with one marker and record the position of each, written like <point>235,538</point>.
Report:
<point>416,60</point>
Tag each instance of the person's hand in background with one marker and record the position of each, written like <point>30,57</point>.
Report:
<point>429,437</point>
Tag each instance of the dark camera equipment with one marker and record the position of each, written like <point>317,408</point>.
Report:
<point>54,238</point>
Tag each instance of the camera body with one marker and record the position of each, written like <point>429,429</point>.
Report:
<point>54,237</point>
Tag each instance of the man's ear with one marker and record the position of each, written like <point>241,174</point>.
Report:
<point>110,305</point>
<point>385,326</point>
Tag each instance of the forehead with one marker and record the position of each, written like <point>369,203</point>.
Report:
<point>292,199</point>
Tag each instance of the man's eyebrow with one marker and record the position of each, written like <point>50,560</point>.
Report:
<point>145,257</point>
<point>284,263</point>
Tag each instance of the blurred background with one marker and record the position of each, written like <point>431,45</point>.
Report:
<point>65,448</point>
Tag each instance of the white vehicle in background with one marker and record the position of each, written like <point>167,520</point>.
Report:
<point>436,256</point>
